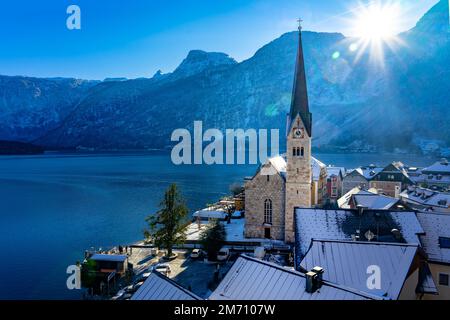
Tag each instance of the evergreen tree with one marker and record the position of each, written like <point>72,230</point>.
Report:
<point>167,227</point>
<point>213,238</point>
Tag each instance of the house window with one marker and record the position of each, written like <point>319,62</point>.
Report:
<point>334,192</point>
<point>443,279</point>
<point>268,178</point>
<point>444,242</point>
<point>268,211</point>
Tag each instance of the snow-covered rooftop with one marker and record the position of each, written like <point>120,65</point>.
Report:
<point>210,214</point>
<point>253,279</point>
<point>344,201</point>
<point>368,172</point>
<point>426,197</point>
<point>442,167</point>
<point>335,171</point>
<point>375,201</point>
<point>159,287</point>
<point>346,263</point>
<point>348,224</point>
<point>437,229</point>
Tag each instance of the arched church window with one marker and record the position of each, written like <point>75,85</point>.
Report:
<point>268,211</point>
<point>294,152</point>
<point>302,152</point>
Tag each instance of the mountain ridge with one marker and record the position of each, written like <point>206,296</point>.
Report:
<point>356,106</point>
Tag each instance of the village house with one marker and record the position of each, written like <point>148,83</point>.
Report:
<point>392,180</point>
<point>436,176</point>
<point>335,175</point>
<point>359,177</point>
<point>422,199</point>
<point>405,274</point>
<point>319,182</point>
<point>436,243</point>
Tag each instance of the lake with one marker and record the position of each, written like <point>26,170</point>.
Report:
<point>54,206</point>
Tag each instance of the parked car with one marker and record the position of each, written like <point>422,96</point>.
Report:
<point>119,295</point>
<point>145,275</point>
<point>133,287</point>
<point>163,268</point>
<point>223,254</point>
<point>196,253</point>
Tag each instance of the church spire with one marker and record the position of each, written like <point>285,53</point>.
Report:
<point>299,103</point>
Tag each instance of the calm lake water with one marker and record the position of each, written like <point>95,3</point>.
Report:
<point>54,206</point>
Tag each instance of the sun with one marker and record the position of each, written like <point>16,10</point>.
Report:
<point>373,30</point>
<point>376,22</point>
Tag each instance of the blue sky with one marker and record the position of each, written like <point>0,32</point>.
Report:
<point>135,38</point>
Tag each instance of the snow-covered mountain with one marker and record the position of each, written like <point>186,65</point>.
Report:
<point>400,105</point>
<point>30,107</point>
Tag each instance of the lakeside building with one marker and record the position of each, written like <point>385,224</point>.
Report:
<point>405,274</point>
<point>286,182</point>
<point>422,199</point>
<point>436,243</point>
<point>254,279</point>
<point>105,264</point>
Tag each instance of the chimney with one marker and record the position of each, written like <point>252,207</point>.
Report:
<point>314,279</point>
<point>319,272</point>
<point>310,282</point>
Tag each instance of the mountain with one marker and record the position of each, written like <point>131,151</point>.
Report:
<point>30,107</point>
<point>359,103</point>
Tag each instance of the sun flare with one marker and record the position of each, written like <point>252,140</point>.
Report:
<point>374,30</point>
<point>376,22</point>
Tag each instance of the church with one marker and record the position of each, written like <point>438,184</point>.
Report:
<point>285,181</point>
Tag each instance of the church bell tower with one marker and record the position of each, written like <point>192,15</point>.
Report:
<point>298,153</point>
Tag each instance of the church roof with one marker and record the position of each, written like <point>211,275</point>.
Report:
<point>299,102</point>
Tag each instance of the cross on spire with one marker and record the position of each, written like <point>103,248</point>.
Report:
<point>299,24</point>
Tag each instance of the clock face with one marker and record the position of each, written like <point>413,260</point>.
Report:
<point>298,133</point>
